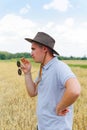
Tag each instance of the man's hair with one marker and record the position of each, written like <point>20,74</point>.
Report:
<point>50,50</point>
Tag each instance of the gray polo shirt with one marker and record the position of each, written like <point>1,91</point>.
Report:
<point>50,90</point>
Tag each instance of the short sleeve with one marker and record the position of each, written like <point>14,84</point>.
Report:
<point>65,73</point>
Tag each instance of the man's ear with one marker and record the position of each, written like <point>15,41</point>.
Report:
<point>45,48</point>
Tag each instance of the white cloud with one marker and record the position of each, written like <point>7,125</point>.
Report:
<point>25,9</point>
<point>70,39</point>
<point>14,24</point>
<point>61,5</point>
<point>84,24</point>
<point>69,22</point>
<point>13,29</point>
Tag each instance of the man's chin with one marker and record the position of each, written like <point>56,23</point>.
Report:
<point>37,61</point>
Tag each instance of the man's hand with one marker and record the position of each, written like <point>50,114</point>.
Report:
<point>25,66</point>
<point>61,112</point>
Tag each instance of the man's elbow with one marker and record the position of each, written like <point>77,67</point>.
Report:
<point>32,94</point>
<point>77,91</point>
<point>76,88</point>
<point>77,94</point>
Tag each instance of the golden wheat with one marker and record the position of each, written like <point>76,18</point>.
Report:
<point>18,110</point>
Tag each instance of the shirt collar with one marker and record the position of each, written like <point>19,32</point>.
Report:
<point>50,63</point>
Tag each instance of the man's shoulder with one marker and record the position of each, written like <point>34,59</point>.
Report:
<point>60,63</point>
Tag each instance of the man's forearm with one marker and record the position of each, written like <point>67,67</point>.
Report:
<point>30,85</point>
<point>67,100</point>
<point>70,95</point>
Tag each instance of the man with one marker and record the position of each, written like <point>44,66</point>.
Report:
<point>56,85</point>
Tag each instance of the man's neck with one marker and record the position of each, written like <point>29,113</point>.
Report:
<point>48,58</point>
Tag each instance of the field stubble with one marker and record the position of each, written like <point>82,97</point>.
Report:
<point>18,110</point>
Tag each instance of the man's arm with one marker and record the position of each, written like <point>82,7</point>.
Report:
<point>71,93</point>
<point>26,68</point>
<point>30,85</point>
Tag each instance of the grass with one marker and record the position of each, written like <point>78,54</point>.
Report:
<point>18,110</point>
<point>78,65</point>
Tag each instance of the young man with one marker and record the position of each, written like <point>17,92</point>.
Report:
<point>56,85</point>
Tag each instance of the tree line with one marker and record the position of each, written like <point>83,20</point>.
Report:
<point>8,56</point>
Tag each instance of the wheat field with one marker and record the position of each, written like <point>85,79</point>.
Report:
<point>18,110</point>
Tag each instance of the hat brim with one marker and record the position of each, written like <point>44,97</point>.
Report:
<point>31,41</point>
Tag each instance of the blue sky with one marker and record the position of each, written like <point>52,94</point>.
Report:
<point>65,20</point>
